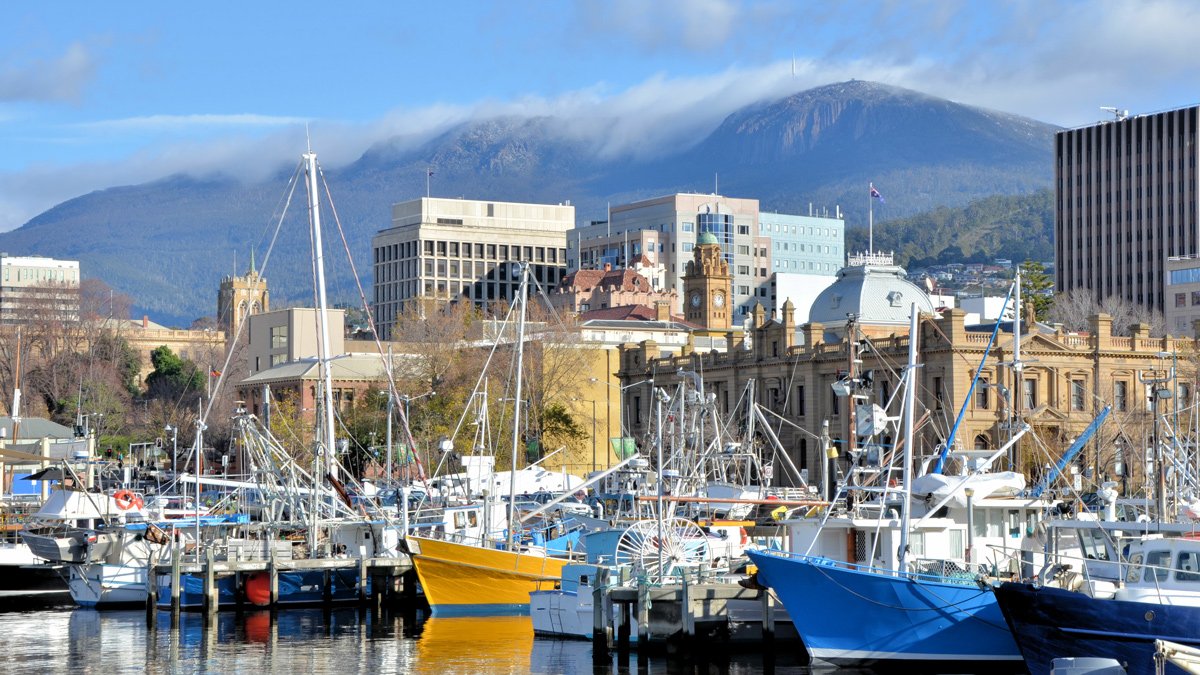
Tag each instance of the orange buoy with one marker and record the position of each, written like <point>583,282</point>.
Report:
<point>125,499</point>
<point>258,589</point>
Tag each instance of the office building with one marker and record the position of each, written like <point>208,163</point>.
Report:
<point>1125,202</point>
<point>664,231</point>
<point>452,249</point>
<point>38,289</point>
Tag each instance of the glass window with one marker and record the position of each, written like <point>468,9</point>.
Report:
<point>1121,396</point>
<point>1077,395</point>
<point>1187,566</point>
<point>1157,566</point>
<point>1195,298</point>
<point>454,249</point>
<point>981,394</point>
<point>1181,299</point>
<point>1029,390</point>
<point>491,251</point>
<point>1135,568</point>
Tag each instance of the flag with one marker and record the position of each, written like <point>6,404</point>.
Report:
<point>876,195</point>
<point>429,172</point>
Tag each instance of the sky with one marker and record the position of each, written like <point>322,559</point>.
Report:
<point>95,95</point>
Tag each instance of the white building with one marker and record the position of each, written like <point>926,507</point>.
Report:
<point>449,249</point>
<point>34,287</point>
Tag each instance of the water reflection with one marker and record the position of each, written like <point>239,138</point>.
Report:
<point>313,641</point>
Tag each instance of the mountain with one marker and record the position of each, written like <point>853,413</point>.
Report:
<point>167,243</point>
<point>1016,227</point>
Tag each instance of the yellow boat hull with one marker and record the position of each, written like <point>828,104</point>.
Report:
<point>461,579</point>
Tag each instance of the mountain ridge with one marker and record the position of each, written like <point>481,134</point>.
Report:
<point>161,241</point>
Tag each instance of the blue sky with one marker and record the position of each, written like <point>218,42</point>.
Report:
<point>100,94</point>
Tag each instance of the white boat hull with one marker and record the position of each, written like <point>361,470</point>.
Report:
<point>103,585</point>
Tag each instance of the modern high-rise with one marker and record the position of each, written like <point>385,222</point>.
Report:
<point>452,249</point>
<point>34,288</point>
<point>1125,193</point>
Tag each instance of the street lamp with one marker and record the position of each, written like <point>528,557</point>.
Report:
<point>593,402</point>
<point>174,431</point>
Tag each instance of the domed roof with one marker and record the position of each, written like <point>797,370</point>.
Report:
<point>875,294</point>
<point>706,238</point>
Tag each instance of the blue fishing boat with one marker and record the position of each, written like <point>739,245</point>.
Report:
<point>1159,600</point>
<point>851,615</point>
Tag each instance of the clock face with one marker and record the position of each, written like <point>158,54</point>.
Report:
<point>719,300</point>
<point>695,299</point>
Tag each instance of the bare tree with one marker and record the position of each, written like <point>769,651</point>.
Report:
<point>1075,308</point>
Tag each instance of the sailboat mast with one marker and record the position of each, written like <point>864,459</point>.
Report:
<point>910,396</point>
<point>326,436</point>
<point>523,295</point>
<point>1016,393</point>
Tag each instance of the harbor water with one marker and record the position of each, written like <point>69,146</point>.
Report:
<point>75,640</point>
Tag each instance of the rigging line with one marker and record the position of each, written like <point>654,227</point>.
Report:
<point>232,341</point>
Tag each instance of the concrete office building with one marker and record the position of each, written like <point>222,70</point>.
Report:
<point>450,249</point>
<point>37,288</point>
<point>1125,193</point>
<point>756,244</point>
<point>1182,295</point>
<point>664,230</point>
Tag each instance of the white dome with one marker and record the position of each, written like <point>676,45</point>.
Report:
<point>876,294</point>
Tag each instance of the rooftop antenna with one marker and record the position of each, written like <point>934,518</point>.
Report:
<point>1117,113</point>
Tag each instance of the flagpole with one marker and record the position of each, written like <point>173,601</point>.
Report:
<point>428,173</point>
<point>870,219</point>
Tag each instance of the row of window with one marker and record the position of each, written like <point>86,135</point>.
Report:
<point>454,249</point>
<point>776,228</point>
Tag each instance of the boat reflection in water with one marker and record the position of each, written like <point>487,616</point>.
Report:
<point>309,641</point>
<point>454,644</point>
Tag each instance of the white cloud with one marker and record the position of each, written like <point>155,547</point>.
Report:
<point>62,78</point>
<point>160,123</point>
<point>1056,62</point>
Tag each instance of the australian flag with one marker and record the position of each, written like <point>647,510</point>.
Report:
<point>876,195</point>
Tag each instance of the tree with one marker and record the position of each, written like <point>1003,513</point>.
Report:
<point>1075,308</point>
<point>1037,287</point>
<point>173,377</point>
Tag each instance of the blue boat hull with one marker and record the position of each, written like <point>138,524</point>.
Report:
<point>1055,623</point>
<point>862,619</point>
<point>295,588</point>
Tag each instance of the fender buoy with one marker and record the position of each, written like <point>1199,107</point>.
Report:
<point>126,500</point>
<point>258,589</point>
<point>745,537</point>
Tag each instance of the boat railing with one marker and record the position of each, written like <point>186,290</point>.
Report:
<point>921,570</point>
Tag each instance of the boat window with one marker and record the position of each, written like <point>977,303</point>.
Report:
<point>1135,568</point>
<point>473,518</point>
<point>916,543</point>
<point>460,519</point>
<point>1093,544</point>
<point>1158,564</point>
<point>1187,566</point>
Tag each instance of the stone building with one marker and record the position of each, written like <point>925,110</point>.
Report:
<point>241,297</point>
<point>1062,383</point>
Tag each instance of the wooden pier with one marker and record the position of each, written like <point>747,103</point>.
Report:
<point>684,616</point>
<point>391,579</point>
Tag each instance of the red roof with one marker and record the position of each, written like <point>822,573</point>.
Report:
<point>624,280</point>
<point>628,313</point>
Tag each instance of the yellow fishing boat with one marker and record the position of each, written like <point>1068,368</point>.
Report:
<point>464,579</point>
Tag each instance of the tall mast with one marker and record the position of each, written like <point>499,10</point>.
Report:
<point>325,442</point>
<point>910,395</point>
<point>523,295</point>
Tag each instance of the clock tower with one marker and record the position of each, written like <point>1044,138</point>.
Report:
<point>708,285</point>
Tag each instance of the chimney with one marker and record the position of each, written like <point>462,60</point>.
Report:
<point>662,310</point>
<point>145,321</point>
<point>607,267</point>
